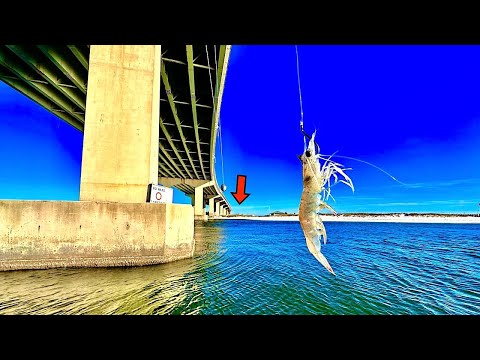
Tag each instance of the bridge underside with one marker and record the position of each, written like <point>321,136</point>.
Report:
<point>191,86</point>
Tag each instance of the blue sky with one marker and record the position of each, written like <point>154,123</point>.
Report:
<point>412,110</point>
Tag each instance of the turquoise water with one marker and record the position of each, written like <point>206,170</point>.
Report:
<point>264,267</point>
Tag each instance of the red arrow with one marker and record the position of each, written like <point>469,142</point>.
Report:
<point>240,194</point>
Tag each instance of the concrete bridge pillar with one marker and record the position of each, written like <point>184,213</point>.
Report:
<point>199,198</point>
<point>120,144</point>
<point>199,201</point>
<point>217,206</point>
<point>211,205</point>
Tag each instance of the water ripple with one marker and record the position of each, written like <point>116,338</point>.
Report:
<point>255,267</point>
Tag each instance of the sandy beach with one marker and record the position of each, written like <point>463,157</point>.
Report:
<point>374,218</point>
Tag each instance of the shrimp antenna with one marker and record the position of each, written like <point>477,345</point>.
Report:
<point>366,162</point>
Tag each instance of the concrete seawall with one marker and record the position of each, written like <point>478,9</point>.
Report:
<point>49,234</point>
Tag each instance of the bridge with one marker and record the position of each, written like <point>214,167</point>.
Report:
<point>151,117</point>
<point>56,77</point>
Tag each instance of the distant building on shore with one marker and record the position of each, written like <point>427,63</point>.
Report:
<point>281,213</point>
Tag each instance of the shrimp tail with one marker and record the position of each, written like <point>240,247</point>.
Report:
<point>323,260</point>
<point>320,257</point>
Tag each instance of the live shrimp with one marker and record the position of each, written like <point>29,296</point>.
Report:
<point>316,191</point>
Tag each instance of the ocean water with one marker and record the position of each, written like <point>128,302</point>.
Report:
<point>244,267</point>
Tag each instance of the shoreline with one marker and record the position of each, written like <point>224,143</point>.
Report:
<point>435,219</point>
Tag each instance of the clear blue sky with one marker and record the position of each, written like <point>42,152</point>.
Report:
<point>412,110</point>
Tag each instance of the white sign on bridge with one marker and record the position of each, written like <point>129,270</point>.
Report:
<point>161,194</point>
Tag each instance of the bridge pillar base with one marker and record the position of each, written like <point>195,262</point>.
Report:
<point>52,234</point>
<point>203,217</point>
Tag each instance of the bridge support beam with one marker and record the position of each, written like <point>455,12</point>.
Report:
<point>211,207</point>
<point>215,205</point>
<point>120,144</point>
<point>199,202</point>
<point>217,201</point>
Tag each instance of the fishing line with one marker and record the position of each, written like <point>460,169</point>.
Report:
<point>219,126</point>
<point>301,105</point>
<point>299,89</point>
<point>318,146</point>
<point>214,108</point>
